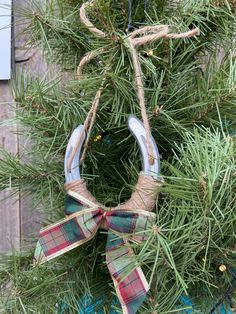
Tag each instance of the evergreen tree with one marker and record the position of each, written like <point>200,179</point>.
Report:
<point>190,96</point>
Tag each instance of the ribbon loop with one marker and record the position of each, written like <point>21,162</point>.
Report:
<point>80,226</point>
<point>130,283</point>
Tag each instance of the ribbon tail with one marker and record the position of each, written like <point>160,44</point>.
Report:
<point>66,234</point>
<point>130,283</point>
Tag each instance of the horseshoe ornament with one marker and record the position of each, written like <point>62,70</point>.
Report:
<point>74,174</point>
<point>138,131</point>
<point>85,216</point>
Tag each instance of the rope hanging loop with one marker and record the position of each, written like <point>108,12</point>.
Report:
<point>141,36</point>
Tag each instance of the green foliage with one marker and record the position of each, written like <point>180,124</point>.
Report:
<point>47,289</point>
<point>190,99</point>
<point>196,217</point>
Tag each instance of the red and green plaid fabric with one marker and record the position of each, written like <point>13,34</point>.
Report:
<point>82,224</point>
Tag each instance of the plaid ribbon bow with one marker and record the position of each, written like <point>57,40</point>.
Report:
<point>82,224</point>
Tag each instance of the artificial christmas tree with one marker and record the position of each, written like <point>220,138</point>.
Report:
<point>190,102</point>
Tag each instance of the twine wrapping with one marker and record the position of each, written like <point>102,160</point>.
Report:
<point>143,197</point>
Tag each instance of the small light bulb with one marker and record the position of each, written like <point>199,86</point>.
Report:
<point>222,268</point>
<point>97,138</point>
<point>150,52</point>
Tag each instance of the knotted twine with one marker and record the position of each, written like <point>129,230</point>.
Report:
<point>132,41</point>
<point>126,222</point>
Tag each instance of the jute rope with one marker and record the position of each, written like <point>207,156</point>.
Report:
<point>88,124</point>
<point>84,19</point>
<point>79,187</point>
<point>143,197</point>
<point>140,198</point>
<point>146,190</point>
<point>86,59</point>
<point>150,34</point>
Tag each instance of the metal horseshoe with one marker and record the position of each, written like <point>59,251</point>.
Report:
<point>137,129</point>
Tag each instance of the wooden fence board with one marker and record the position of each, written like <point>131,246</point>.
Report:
<point>9,206</point>
<point>32,64</point>
<point>17,217</point>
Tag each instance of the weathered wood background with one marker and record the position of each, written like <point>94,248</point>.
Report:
<point>16,217</point>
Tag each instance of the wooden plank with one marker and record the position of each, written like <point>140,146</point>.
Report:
<point>31,63</point>
<point>9,205</point>
<point>5,39</point>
